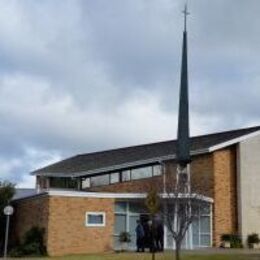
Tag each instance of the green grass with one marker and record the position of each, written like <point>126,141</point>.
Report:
<point>147,256</point>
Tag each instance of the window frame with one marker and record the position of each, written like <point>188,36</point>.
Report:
<point>106,177</point>
<point>95,213</point>
<point>141,171</point>
<point>160,170</point>
<point>87,181</point>
<point>110,177</point>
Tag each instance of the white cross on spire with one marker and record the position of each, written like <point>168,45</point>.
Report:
<point>185,13</point>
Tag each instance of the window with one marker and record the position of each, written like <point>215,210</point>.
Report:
<point>141,173</point>
<point>157,170</point>
<point>95,219</point>
<point>120,223</point>
<point>201,226</point>
<point>126,175</point>
<point>114,177</point>
<point>99,180</point>
<point>120,207</point>
<point>85,183</point>
<point>63,183</point>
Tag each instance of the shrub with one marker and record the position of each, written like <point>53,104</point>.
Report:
<point>234,239</point>
<point>124,237</point>
<point>33,244</point>
<point>253,239</point>
<point>16,251</point>
<point>226,237</point>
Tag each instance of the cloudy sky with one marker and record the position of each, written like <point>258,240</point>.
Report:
<point>81,75</point>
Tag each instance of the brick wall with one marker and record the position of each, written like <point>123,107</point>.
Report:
<point>225,199</point>
<point>64,221</point>
<point>67,231</point>
<point>201,178</point>
<point>28,213</point>
<point>134,186</point>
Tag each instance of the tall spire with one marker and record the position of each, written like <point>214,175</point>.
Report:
<point>183,136</point>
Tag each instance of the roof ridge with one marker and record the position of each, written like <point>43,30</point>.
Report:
<point>165,141</point>
<point>102,158</point>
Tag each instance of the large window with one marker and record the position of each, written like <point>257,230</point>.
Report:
<point>114,177</point>
<point>126,175</point>
<point>63,183</point>
<point>157,170</point>
<point>126,215</point>
<point>141,173</point>
<point>201,227</point>
<point>145,172</point>
<point>198,235</point>
<point>99,180</point>
<point>122,176</point>
<point>85,183</point>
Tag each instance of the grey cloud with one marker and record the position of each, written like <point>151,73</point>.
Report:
<point>80,76</point>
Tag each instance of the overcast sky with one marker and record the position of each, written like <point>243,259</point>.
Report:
<point>81,76</point>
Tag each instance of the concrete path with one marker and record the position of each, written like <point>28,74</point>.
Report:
<point>208,251</point>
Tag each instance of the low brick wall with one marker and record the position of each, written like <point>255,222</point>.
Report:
<point>28,213</point>
<point>64,221</point>
<point>67,231</point>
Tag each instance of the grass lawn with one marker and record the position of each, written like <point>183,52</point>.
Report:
<point>147,256</point>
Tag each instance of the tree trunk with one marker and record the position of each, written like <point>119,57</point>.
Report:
<point>177,252</point>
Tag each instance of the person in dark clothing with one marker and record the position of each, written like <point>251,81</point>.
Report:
<point>159,237</point>
<point>139,230</point>
<point>152,236</point>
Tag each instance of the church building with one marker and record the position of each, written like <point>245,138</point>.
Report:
<point>86,201</point>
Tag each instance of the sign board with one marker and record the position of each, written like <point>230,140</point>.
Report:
<point>8,210</point>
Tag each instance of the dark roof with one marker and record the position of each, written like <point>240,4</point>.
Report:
<point>90,162</point>
<point>23,193</point>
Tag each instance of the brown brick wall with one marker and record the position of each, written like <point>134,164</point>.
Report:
<point>134,186</point>
<point>64,221</point>
<point>225,202</point>
<point>28,213</point>
<point>67,231</point>
<point>201,177</point>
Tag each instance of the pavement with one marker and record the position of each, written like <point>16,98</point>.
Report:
<point>209,251</point>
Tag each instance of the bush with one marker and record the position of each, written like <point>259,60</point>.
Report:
<point>33,244</point>
<point>124,237</point>
<point>252,239</point>
<point>235,240</point>
<point>226,237</point>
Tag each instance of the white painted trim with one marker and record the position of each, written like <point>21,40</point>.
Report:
<point>233,141</point>
<point>101,195</point>
<point>95,214</point>
<point>107,195</point>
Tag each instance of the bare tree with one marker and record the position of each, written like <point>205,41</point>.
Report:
<point>152,203</point>
<point>179,206</point>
